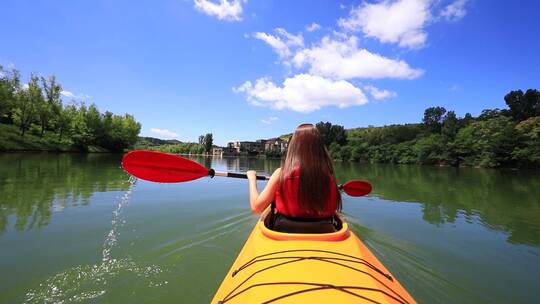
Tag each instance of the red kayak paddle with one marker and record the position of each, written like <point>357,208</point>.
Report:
<point>356,187</point>
<point>169,168</point>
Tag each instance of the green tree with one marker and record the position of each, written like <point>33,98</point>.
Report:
<point>131,130</point>
<point>492,113</point>
<point>93,124</point>
<point>404,153</point>
<point>523,106</point>
<point>433,118</point>
<point>80,133</point>
<point>430,149</point>
<point>335,150</point>
<point>465,121</point>
<point>486,143</point>
<point>527,150</point>
<point>64,118</point>
<point>9,85</point>
<point>359,152</point>
<point>52,104</point>
<point>346,152</point>
<point>26,105</point>
<point>105,138</point>
<point>208,142</point>
<point>450,125</point>
<point>332,133</point>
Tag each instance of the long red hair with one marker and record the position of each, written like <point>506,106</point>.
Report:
<point>306,151</point>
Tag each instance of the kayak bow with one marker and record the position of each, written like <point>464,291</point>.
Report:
<point>276,267</point>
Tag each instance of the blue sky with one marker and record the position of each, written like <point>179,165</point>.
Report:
<point>256,69</point>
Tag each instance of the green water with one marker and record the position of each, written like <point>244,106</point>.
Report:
<point>75,229</point>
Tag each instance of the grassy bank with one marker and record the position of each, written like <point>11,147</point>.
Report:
<point>11,140</point>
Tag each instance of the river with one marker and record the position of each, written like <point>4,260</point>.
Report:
<point>74,228</point>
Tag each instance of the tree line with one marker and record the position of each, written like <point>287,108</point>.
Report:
<point>37,107</point>
<point>496,138</point>
<point>205,145</point>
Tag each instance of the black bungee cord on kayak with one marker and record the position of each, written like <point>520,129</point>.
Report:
<point>319,286</point>
<point>355,259</point>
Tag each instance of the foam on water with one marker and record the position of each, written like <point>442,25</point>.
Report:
<point>86,282</point>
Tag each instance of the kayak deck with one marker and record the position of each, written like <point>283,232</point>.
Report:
<point>275,267</point>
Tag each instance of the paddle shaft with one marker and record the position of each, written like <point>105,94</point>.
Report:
<point>212,173</point>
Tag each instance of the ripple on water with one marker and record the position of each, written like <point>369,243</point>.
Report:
<point>419,269</point>
<point>86,282</point>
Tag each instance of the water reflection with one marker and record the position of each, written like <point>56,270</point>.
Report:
<point>237,164</point>
<point>32,186</point>
<point>504,200</point>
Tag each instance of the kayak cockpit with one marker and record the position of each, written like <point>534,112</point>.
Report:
<point>335,230</point>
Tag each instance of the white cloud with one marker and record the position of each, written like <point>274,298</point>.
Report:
<point>292,40</point>
<point>378,94</point>
<point>313,27</point>
<point>391,21</point>
<point>164,133</point>
<point>455,10</point>
<point>71,95</point>
<point>25,86</point>
<point>270,120</point>
<point>282,42</point>
<point>229,10</point>
<point>303,93</point>
<point>342,59</point>
<point>67,94</point>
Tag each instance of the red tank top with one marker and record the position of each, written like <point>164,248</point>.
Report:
<point>287,202</point>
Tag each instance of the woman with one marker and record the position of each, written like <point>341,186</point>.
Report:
<point>304,188</point>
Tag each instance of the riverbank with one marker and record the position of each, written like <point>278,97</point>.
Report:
<point>11,141</point>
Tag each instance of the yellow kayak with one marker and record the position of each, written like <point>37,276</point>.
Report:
<point>336,267</point>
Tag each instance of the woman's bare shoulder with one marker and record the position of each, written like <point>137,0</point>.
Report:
<point>276,173</point>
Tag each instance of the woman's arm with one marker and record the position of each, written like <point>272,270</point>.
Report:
<point>259,202</point>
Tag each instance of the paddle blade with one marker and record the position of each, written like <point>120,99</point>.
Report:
<point>162,167</point>
<point>357,187</point>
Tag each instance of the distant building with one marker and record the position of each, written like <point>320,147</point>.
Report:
<point>229,152</point>
<point>276,144</point>
<point>259,146</point>
<point>224,151</point>
<point>243,146</point>
<point>217,151</point>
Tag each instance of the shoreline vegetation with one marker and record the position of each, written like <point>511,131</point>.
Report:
<point>33,117</point>
<point>507,138</point>
<point>496,138</point>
